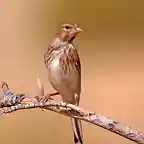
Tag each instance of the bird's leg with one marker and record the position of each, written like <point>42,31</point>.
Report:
<point>46,97</point>
<point>41,96</point>
<point>76,99</point>
<point>49,96</point>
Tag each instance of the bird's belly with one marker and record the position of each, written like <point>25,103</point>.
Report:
<point>66,84</point>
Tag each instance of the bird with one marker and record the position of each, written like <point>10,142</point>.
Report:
<point>64,70</point>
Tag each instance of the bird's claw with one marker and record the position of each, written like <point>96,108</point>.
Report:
<point>43,98</point>
<point>46,97</point>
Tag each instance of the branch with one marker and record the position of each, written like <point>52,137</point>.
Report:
<point>11,102</point>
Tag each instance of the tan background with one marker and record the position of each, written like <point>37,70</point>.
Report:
<point>112,54</point>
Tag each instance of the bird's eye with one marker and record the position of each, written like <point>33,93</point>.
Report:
<point>67,27</point>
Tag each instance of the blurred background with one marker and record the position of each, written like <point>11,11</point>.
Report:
<point>111,49</point>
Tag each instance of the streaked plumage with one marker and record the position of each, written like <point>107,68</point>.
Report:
<point>64,70</point>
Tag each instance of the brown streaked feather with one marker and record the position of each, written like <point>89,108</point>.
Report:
<point>70,56</point>
<point>70,60</point>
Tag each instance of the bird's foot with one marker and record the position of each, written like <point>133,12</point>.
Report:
<point>46,97</point>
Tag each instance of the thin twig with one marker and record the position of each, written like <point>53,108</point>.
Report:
<point>40,87</point>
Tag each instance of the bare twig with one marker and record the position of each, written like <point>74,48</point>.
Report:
<point>40,87</point>
<point>28,102</point>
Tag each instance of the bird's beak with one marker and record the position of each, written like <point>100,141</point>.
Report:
<point>79,29</point>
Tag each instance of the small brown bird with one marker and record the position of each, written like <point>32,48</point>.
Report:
<point>64,70</point>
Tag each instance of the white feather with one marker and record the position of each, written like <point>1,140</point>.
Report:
<point>55,63</point>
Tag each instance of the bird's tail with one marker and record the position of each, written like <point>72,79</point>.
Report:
<point>77,129</point>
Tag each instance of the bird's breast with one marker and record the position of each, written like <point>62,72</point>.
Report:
<point>55,69</point>
<point>55,64</point>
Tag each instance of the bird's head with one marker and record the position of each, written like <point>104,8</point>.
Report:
<point>67,32</point>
